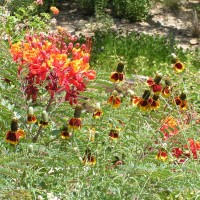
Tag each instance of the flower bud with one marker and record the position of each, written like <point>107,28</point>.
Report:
<point>157,79</point>
<point>168,82</point>
<point>131,92</point>
<point>120,67</point>
<point>30,111</point>
<point>14,125</point>
<point>98,105</point>
<point>182,96</point>
<point>146,94</point>
<point>115,93</point>
<point>174,58</point>
<point>77,111</point>
<point>44,116</point>
<point>155,97</point>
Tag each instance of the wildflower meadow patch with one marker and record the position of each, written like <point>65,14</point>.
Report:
<point>79,120</point>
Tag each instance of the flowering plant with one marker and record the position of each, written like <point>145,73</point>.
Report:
<point>55,62</point>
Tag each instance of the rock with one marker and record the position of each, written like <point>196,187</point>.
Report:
<point>124,21</point>
<point>81,23</point>
<point>194,41</point>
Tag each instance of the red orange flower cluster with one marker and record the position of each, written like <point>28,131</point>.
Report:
<point>47,60</point>
<point>179,150</point>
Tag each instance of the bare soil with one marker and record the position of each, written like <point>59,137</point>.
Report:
<point>176,23</point>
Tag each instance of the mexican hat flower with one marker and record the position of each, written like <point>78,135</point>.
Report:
<point>135,100</point>
<point>76,122</point>
<point>154,102</point>
<point>65,134</point>
<point>144,103</point>
<point>15,133</point>
<point>162,155</point>
<point>31,118</point>
<point>44,121</point>
<point>118,75</point>
<point>167,89</point>
<point>97,112</point>
<point>114,100</point>
<point>177,65</point>
<point>154,84</point>
<point>88,158</point>
<point>181,101</point>
<point>114,134</point>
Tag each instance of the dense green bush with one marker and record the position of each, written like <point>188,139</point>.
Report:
<point>86,6</point>
<point>132,9</point>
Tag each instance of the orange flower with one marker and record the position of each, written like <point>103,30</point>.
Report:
<point>135,100</point>
<point>31,119</point>
<point>194,147</point>
<point>177,65</point>
<point>169,127</point>
<point>54,10</point>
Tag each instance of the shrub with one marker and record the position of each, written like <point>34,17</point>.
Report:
<point>132,9</point>
<point>87,6</point>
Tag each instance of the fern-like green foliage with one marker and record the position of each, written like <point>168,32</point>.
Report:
<point>15,194</point>
<point>9,86</point>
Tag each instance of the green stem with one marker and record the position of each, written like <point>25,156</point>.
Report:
<point>35,138</point>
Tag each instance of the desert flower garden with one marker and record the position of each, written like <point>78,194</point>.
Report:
<point>102,117</point>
